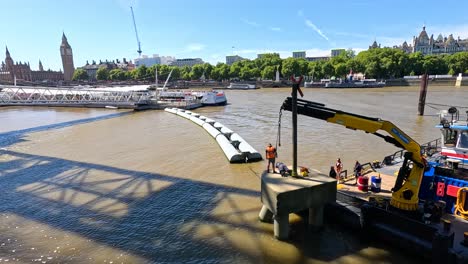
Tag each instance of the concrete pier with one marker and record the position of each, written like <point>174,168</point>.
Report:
<point>284,195</point>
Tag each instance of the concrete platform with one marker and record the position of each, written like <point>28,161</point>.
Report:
<point>284,195</point>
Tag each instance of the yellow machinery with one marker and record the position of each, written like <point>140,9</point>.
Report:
<point>405,191</point>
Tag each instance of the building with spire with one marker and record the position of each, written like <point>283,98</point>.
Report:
<point>430,46</point>
<point>67,59</point>
<point>442,45</point>
<point>21,71</point>
<point>374,45</point>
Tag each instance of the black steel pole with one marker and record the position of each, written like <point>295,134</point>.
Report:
<point>295,87</point>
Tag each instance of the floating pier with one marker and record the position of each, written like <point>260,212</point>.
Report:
<point>87,98</point>
<point>284,195</point>
<point>236,149</point>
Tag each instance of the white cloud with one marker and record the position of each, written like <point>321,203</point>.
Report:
<point>194,47</point>
<point>251,23</point>
<point>275,29</point>
<point>315,28</point>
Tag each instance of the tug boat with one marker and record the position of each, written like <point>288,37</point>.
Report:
<point>446,178</point>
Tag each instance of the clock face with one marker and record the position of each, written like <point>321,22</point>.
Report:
<point>69,52</point>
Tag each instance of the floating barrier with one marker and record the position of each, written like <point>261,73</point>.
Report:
<point>197,121</point>
<point>229,150</point>
<point>236,149</point>
<point>251,153</point>
<point>211,130</point>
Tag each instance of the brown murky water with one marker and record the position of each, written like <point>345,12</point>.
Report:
<point>109,186</point>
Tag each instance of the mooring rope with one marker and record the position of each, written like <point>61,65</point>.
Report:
<point>457,106</point>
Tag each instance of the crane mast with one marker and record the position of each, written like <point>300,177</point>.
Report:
<point>136,33</point>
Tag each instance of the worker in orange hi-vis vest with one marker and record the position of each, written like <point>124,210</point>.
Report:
<point>270,154</point>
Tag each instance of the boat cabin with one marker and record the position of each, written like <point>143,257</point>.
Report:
<point>454,135</point>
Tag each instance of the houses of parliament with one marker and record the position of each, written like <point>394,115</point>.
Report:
<point>21,71</point>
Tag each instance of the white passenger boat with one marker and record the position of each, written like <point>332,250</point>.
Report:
<point>207,98</point>
<point>241,86</point>
<point>211,98</point>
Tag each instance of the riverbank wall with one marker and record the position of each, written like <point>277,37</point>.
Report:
<point>432,82</point>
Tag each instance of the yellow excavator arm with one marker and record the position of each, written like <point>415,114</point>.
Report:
<point>406,189</point>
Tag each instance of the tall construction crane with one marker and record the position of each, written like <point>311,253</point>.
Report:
<point>136,33</point>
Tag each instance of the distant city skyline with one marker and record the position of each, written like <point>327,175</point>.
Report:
<point>211,30</point>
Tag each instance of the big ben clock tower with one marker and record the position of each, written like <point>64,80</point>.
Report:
<point>67,59</point>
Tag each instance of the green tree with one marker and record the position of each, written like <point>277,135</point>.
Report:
<point>341,70</point>
<point>354,65</point>
<point>235,69</point>
<point>196,72</point>
<point>315,69</point>
<point>372,69</point>
<point>434,64</point>
<point>256,73</point>
<point>290,67</point>
<point>271,59</point>
<point>269,72</point>
<point>208,68</point>
<point>130,75</point>
<point>80,75</point>
<point>185,72</point>
<point>457,63</point>
<point>141,73</point>
<point>117,75</point>
<point>102,74</point>
<point>245,73</point>
<point>415,64</point>
<point>327,69</point>
<point>224,72</point>
<point>163,72</point>
<point>176,72</point>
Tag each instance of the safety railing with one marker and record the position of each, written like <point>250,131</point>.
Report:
<point>28,95</point>
<point>428,148</point>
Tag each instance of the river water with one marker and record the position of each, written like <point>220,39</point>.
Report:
<point>112,186</point>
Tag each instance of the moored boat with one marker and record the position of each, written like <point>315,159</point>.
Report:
<point>211,98</point>
<point>366,83</point>
<point>241,86</point>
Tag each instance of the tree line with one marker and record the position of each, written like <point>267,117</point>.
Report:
<point>380,63</point>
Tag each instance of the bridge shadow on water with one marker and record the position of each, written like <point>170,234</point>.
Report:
<point>51,190</point>
<point>17,136</point>
<point>159,226</point>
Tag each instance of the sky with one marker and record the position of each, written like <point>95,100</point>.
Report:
<point>211,29</point>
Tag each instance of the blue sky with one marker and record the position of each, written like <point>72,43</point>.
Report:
<point>209,29</point>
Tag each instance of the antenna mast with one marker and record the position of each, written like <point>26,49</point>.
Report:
<point>136,33</point>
